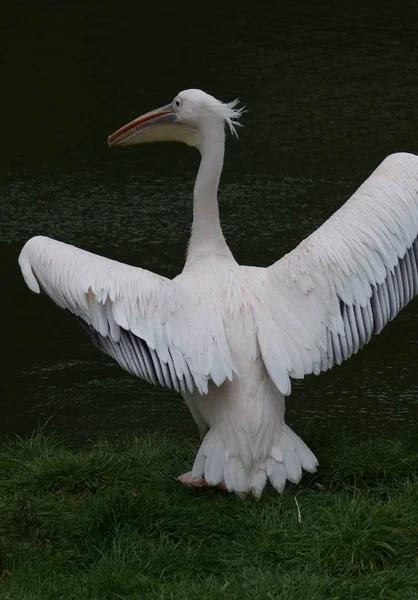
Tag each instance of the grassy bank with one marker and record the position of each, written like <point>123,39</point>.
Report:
<point>112,522</point>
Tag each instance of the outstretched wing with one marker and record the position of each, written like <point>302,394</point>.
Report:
<point>325,299</point>
<point>144,321</point>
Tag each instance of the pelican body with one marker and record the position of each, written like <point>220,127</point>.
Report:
<point>230,337</point>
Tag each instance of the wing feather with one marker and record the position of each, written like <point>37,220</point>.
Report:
<point>146,322</point>
<point>347,280</point>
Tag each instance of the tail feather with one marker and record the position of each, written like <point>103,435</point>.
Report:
<point>292,466</point>
<point>276,474</point>
<point>258,483</point>
<point>219,462</point>
<point>306,457</point>
<point>199,464</point>
<point>236,476</point>
<point>214,465</point>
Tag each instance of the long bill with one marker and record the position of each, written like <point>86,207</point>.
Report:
<point>160,125</point>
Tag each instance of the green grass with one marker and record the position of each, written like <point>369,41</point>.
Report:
<point>111,522</point>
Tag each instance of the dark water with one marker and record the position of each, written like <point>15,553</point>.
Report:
<point>330,92</point>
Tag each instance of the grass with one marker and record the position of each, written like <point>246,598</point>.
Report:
<point>111,522</point>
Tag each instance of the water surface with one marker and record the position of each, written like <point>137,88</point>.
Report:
<point>329,93</point>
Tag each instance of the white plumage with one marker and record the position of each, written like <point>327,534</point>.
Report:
<point>231,337</point>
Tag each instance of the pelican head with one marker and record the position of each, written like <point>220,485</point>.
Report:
<point>183,120</point>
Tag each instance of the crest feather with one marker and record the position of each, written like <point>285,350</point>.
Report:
<point>232,113</point>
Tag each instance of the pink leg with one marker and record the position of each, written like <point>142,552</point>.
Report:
<point>187,479</point>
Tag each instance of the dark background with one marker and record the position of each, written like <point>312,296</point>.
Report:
<point>330,89</point>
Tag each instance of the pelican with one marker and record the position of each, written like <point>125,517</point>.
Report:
<point>229,337</point>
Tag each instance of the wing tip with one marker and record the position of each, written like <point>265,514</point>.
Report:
<point>27,272</point>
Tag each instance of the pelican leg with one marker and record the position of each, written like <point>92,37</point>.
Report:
<point>187,479</point>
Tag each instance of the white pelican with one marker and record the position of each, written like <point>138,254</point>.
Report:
<point>229,337</point>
